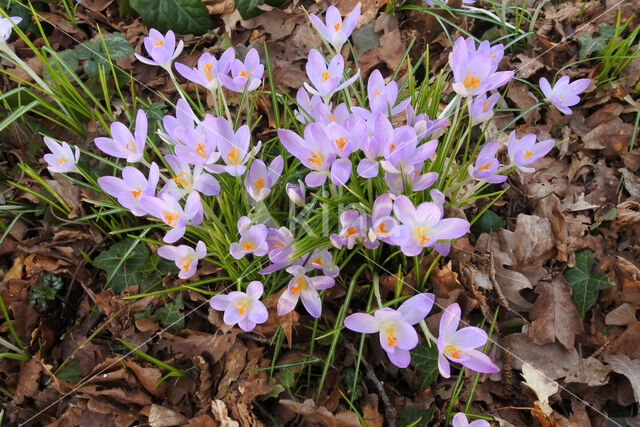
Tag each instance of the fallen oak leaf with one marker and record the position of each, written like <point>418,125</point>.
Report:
<point>321,415</point>
<point>541,386</point>
<point>630,368</point>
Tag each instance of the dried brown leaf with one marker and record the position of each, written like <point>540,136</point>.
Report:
<point>320,415</point>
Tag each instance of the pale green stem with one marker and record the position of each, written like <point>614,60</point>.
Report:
<point>494,16</point>
<point>427,333</point>
<point>453,105</point>
<point>376,289</point>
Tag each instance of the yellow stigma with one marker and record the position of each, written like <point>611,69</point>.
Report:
<point>391,332</point>
<point>527,154</point>
<point>249,246</point>
<point>131,146</point>
<point>318,261</point>
<point>243,73</point>
<point>158,43</point>
<point>351,231</point>
<point>136,192</point>
<point>259,183</point>
<point>337,26</point>
<point>171,218</point>
<point>208,70</point>
<point>242,306</point>
<point>183,178</point>
<point>421,234</point>
<point>484,106</point>
<point>300,283</point>
<point>186,262</point>
<point>485,166</point>
<point>380,228</point>
<point>453,352</point>
<point>471,80</point>
<point>325,76</point>
<point>341,142</point>
<point>377,94</point>
<point>233,156</point>
<point>201,150</point>
<point>62,160</point>
<point>317,159</point>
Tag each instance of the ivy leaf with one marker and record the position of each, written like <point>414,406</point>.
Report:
<point>347,380</point>
<point>170,315</point>
<point>182,16</point>
<point>366,38</point>
<point>45,290</point>
<point>415,417</point>
<point>589,44</point>
<point>249,8</point>
<point>585,284</point>
<point>71,372</point>
<point>425,358</point>
<point>488,222</point>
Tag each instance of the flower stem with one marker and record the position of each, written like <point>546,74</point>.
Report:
<point>427,333</point>
<point>376,289</point>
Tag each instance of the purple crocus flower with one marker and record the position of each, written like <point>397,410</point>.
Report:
<point>308,111</point>
<point>124,145</point>
<point>346,139</point>
<point>564,94</point>
<point>281,245</point>
<point>185,257</point>
<point>208,69</point>
<point>400,147</point>
<point>161,49</point>
<point>336,32</point>
<point>397,335</point>
<point>326,80</point>
<point>481,107</point>
<point>382,98</point>
<point>414,180</point>
<point>297,193</point>
<point>460,420</point>
<point>167,208</point>
<point>253,239</point>
<point>196,146</point>
<point>6,26</point>
<point>487,164</point>
<point>458,345</point>
<point>313,151</point>
<point>186,180</point>
<point>424,126</point>
<point>305,288</point>
<point>382,224</point>
<point>233,147</point>
<point>61,159</point>
<point>184,119</point>
<point>355,228</point>
<point>131,187</point>
<point>475,71</point>
<point>423,226</point>
<point>245,75</point>
<point>242,308</point>
<point>525,151</point>
<point>260,179</point>
<point>322,259</point>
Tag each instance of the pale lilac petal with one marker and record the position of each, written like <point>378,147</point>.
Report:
<point>219,302</point>
<point>407,336</point>
<point>468,338</point>
<point>255,289</point>
<point>341,171</point>
<point>258,313</point>
<point>479,362</point>
<point>416,308</point>
<point>450,320</point>
<point>361,322</point>
<point>443,366</point>
<point>287,302</point>
<point>311,301</point>
<point>400,358</point>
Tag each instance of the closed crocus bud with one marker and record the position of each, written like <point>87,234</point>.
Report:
<point>6,26</point>
<point>296,193</point>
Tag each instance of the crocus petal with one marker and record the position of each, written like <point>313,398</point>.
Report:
<point>311,301</point>
<point>255,289</point>
<point>258,313</point>
<point>287,302</point>
<point>416,308</point>
<point>219,302</point>
<point>450,320</point>
<point>443,366</point>
<point>469,337</point>
<point>479,362</point>
<point>400,358</point>
<point>361,322</point>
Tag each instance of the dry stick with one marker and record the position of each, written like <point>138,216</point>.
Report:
<point>389,410</point>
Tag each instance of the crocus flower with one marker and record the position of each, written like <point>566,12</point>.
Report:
<point>313,151</point>
<point>233,147</point>
<point>475,71</point>
<point>297,193</point>
<point>185,257</point>
<point>423,226</point>
<point>486,164</point>
<point>281,245</point>
<point>195,146</point>
<point>481,107</point>
<point>6,26</point>
<point>208,69</point>
<point>308,106</point>
<point>61,159</point>
<point>525,151</point>
<point>401,150</point>
<point>336,32</point>
<point>253,239</point>
<point>355,228</point>
<point>322,259</point>
<point>184,119</point>
<point>124,145</point>
<point>346,139</point>
<point>326,80</point>
<point>242,308</point>
<point>397,335</point>
<point>167,208</point>
<point>161,49</point>
<point>131,187</point>
<point>187,180</point>
<point>382,224</point>
<point>424,126</point>
<point>442,247</point>
<point>245,75</point>
<point>382,98</point>
<point>460,420</point>
<point>260,179</point>
<point>564,94</point>
<point>414,180</point>
<point>458,345</point>
<point>305,288</point>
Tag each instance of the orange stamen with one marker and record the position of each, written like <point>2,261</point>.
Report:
<point>317,159</point>
<point>341,143</point>
<point>300,282</point>
<point>485,166</point>
<point>179,179</point>
<point>453,352</point>
<point>391,337</point>
<point>131,146</point>
<point>527,154</point>
<point>325,76</point>
<point>380,228</point>
<point>471,80</point>
<point>201,150</point>
<point>249,246</point>
<point>351,231</point>
<point>170,218</point>
<point>242,306</point>
<point>243,73</point>
<point>232,157</point>
<point>259,183</point>
<point>136,192</point>
<point>318,261</point>
<point>337,26</point>
<point>186,262</point>
<point>208,70</point>
<point>62,160</point>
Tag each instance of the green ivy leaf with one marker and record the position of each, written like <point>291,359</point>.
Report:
<point>425,358</point>
<point>590,44</point>
<point>287,377</point>
<point>249,8</point>
<point>347,380</point>
<point>170,315</point>
<point>415,417</point>
<point>488,222</point>
<point>45,290</point>
<point>182,16</point>
<point>585,283</point>
<point>140,268</point>
<point>71,372</point>
<point>365,38</point>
